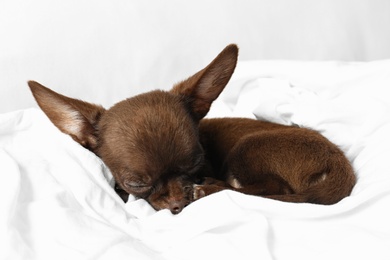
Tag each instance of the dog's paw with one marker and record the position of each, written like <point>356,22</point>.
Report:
<point>198,192</point>
<point>203,190</point>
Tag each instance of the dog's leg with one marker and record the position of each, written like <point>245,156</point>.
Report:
<point>266,185</point>
<point>293,165</point>
<point>209,186</point>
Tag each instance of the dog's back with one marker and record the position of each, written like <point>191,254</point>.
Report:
<point>251,152</point>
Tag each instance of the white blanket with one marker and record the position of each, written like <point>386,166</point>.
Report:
<point>57,201</point>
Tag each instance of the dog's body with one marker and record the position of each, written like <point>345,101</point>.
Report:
<point>157,145</point>
<point>291,163</point>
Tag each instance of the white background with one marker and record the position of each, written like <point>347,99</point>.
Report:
<point>104,51</point>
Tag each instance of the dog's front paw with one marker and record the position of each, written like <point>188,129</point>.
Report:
<point>198,192</point>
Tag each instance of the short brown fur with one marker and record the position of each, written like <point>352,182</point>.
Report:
<point>159,148</point>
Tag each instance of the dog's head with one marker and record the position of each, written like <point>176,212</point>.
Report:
<point>149,142</point>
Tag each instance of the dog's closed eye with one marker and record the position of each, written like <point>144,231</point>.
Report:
<point>137,187</point>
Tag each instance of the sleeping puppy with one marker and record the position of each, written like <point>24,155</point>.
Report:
<point>159,148</point>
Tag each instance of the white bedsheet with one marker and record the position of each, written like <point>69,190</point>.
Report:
<point>57,202</point>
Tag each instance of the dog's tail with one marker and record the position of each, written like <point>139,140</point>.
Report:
<point>327,187</point>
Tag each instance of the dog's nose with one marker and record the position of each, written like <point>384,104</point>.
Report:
<point>176,207</point>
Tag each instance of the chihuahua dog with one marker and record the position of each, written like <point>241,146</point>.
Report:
<point>159,148</point>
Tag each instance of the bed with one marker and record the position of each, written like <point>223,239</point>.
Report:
<point>57,198</point>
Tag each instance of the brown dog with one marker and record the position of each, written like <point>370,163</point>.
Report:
<point>157,146</point>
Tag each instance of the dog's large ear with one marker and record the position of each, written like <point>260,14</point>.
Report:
<point>205,86</point>
<point>74,117</point>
